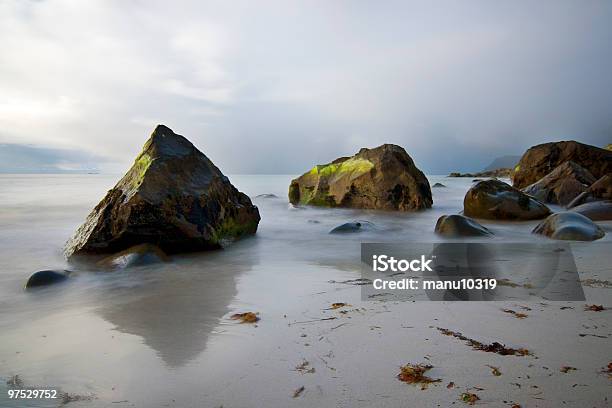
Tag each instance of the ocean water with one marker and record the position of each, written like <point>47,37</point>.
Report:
<point>161,335</point>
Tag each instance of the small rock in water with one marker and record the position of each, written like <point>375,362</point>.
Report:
<point>456,225</point>
<point>438,185</point>
<point>351,227</point>
<point>266,196</point>
<point>138,255</point>
<point>569,226</point>
<point>46,278</point>
<point>596,210</point>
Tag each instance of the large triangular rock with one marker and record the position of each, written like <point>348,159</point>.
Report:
<point>561,185</point>
<point>174,197</point>
<point>383,178</point>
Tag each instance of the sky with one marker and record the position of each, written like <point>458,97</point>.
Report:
<point>278,86</point>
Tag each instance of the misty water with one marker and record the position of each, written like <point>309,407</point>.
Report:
<point>161,335</point>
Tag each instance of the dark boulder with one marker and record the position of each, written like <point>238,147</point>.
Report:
<point>561,185</point>
<point>173,197</point>
<point>540,160</point>
<point>494,199</point>
<point>599,190</point>
<point>266,196</point>
<point>352,227</point>
<point>383,178</point>
<point>596,210</point>
<point>438,185</point>
<point>569,226</point>
<point>138,255</point>
<point>46,278</point>
<point>456,225</point>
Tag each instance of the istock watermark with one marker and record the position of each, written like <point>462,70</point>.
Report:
<point>470,271</point>
<point>384,263</point>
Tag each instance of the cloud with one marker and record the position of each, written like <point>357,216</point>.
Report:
<point>277,86</point>
<point>16,158</point>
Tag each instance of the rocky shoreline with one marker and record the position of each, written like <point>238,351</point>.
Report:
<point>174,199</point>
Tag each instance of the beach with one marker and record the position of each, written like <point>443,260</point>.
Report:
<point>162,336</point>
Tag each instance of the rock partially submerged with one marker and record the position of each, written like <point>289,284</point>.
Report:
<point>540,160</point>
<point>352,227</point>
<point>599,190</point>
<point>173,197</point>
<point>46,278</point>
<point>138,255</point>
<point>561,185</point>
<point>438,185</point>
<point>569,226</point>
<point>494,199</point>
<point>596,210</point>
<point>456,225</point>
<point>383,178</point>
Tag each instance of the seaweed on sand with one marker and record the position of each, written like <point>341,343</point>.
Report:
<point>415,374</point>
<point>494,347</point>
<point>469,398</point>
<point>246,317</point>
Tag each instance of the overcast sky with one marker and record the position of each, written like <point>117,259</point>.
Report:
<point>277,86</point>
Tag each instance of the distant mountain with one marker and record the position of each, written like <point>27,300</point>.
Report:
<point>507,162</point>
<point>18,158</point>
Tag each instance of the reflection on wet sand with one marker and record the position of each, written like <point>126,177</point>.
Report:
<point>176,314</point>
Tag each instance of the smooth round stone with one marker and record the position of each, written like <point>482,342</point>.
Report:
<point>352,227</point>
<point>456,225</point>
<point>496,200</point>
<point>46,278</point>
<point>569,226</point>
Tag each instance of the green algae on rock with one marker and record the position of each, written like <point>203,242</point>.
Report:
<point>173,197</point>
<point>383,178</point>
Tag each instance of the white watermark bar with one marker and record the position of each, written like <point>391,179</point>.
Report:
<point>472,271</point>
